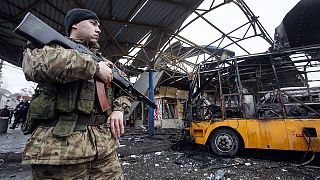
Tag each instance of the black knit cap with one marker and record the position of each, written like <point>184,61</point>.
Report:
<point>77,15</point>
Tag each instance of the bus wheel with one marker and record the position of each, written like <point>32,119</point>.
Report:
<point>225,142</point>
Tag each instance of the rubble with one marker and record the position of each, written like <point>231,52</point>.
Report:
<point>219,175</point>
<point>194,162</point>
<point>198,162</point>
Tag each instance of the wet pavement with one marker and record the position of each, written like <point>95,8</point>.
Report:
<point>160,157</point>
<point>12,144</point>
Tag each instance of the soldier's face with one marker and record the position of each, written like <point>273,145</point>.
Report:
<point>88,30</point>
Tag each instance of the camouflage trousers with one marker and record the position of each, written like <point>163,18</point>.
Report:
<point>106,168</point>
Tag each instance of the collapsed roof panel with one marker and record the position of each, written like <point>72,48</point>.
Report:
<point>300,27</point>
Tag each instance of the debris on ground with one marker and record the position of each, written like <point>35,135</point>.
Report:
<point>161,157</point>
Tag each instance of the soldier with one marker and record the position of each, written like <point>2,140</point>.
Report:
<point>20,113</point>
<point>72,138</point>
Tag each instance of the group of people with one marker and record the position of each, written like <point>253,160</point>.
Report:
<point>19,113</point>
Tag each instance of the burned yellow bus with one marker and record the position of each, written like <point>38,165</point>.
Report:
<point>269,100</point>
<point>263,101</point>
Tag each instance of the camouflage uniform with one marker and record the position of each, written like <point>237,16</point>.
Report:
<point>88,153</point>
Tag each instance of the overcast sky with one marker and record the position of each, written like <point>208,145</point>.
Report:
<point>270,12</point>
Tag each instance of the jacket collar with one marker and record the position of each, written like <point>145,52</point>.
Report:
<point>94,48</point>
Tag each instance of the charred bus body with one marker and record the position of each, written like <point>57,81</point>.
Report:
<point>269,100</point>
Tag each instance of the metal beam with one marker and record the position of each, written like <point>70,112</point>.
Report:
<point>176,3</point>
<point>125,22</point>
<point>18,16</point>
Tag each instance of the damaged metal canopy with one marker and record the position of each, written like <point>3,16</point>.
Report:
<point>300,27</point>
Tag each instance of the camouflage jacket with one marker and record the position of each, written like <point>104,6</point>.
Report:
<point>54,64</point>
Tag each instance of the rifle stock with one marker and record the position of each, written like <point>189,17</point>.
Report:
<point>40,34</point>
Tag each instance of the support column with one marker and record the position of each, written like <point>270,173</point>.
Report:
<point>151,97</point>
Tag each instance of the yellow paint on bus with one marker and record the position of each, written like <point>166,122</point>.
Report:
<point>276,134</point>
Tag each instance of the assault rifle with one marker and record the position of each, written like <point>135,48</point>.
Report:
<point>40,34</point>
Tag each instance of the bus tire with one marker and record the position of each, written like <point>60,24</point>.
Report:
<point>225,142</point>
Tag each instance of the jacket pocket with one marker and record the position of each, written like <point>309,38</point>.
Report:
<point>86,97</point>
<point>42,108</point>
<point>67,97</point>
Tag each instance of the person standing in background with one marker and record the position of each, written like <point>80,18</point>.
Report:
<point>5,112</point>
<point>20,113</point>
